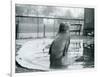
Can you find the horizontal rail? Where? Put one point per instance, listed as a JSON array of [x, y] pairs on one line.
[[49, 18]]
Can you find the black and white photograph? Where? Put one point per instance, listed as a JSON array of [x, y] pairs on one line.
[[53, 38]]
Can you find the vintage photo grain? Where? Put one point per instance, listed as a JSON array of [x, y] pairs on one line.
[[50, 38]]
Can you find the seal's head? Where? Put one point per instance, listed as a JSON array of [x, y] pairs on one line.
[[63, 28]]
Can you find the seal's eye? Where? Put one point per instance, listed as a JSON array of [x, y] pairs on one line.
[[17, 54]]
